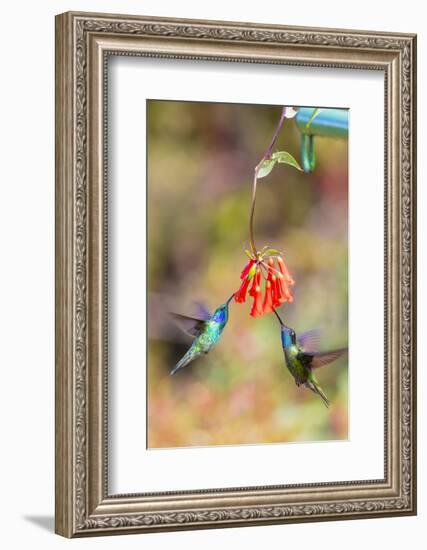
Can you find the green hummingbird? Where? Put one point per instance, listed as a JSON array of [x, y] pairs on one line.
[[301, 360], [206, 331]]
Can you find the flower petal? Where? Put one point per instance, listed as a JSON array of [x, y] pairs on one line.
[[267, 306], [284, 271], [255, 282], [240, 295], [256, 310], [246, 269]]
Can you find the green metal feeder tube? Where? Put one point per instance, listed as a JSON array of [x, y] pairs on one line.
[[326, 123]]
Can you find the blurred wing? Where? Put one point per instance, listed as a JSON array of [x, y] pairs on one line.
[[310, 340], [161, 326], [190, 325], [322, 358], [202, 311]]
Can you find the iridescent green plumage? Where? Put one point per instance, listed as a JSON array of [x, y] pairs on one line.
[[301, 361], [206, 331]]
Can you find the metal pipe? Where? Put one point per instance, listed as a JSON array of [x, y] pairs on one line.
[[326, 123]]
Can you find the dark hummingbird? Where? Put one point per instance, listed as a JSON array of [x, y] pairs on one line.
[[206, 329], [301, 360]]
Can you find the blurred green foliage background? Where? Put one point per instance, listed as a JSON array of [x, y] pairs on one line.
[[201, 158]]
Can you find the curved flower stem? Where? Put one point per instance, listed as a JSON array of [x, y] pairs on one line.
[[264, 271], [266, 156], [251, 219]]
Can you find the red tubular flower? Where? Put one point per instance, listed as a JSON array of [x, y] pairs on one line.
[[246, 269], [276, 288], [267, 306], [257, 309], [278, 297], [270, 268], [284, 289], [256, 283], [282, 280], [240, 295], [284, 271]]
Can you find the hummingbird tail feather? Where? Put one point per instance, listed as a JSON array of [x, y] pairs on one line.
[[188, 357], [317, 389], [324, 398]]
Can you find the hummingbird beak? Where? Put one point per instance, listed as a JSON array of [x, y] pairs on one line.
[[229, 300], [278, 316]]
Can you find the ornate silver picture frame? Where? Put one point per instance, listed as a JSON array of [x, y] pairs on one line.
[[84, 42]]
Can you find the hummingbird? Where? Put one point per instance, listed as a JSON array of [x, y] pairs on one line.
[[301, 360], [206, 329]]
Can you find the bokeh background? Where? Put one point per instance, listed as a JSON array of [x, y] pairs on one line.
[[201, 158]]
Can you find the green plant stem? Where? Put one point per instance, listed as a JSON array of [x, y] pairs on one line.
[[266, 156]]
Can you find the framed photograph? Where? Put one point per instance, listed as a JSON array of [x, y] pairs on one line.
[[235, 274]]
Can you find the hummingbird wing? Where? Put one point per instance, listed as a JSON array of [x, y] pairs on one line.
[[309, 341], [202, 312], [321, 358], [192, 326], [161, 326]]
